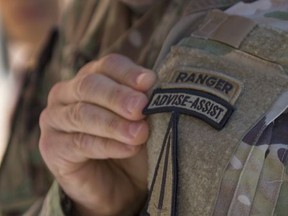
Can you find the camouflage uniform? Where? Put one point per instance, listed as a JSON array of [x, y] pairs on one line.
[[201, 167], [220, 145]]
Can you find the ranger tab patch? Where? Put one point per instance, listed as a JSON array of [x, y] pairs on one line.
[[211, 82], [212, 109]]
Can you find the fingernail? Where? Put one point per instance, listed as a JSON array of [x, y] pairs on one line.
[[134, 103], [146, 77], [135, 129]]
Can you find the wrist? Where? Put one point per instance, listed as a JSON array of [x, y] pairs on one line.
[[108, 209]]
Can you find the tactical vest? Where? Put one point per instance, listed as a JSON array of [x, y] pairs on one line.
[[217, 145]]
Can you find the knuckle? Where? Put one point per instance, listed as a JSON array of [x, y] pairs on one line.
[[87, 85], [105, 144], [87, 68], [125, 67], [113, 124], [76, 114], [54, 92], [44, 146], [109, 59], [126, 73], [82, 86], [81, 141], [42, 119], [115, 95]]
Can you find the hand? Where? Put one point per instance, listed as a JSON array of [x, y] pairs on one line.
[[93, 134]]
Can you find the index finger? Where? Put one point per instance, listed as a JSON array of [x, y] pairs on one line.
[[122, 70]]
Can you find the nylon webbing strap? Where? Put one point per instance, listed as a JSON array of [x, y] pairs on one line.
[[245, 34], [228, 29], [196, 5]]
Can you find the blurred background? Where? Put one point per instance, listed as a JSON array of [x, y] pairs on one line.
[[25, 27]]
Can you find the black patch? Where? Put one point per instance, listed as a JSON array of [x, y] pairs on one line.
[[209, 108]]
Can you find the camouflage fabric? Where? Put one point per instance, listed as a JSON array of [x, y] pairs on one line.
[[23, 175], [96, 28], [240, 169]]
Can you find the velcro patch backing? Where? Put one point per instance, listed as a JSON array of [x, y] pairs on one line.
[[209, 108]]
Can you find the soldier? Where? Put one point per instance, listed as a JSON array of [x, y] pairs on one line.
[[217, 142], [25, 28]]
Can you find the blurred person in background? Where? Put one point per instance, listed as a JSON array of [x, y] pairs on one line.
[[26, 28]]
